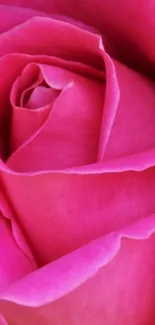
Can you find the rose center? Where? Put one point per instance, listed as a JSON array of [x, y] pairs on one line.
[[31, 91]]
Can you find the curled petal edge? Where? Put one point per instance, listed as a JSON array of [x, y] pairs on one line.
[[64, 275], [17, 234]]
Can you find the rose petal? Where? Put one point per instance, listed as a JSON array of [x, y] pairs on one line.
[[130, 27], [68, 42], [41, 96], [31, 121], [73, 214], [12, 16], [49, 31], [2, 320], [120, 31], [136, 140], [29, 78], [14, 264], [110, 105], [71, 133], [38, 5], [12, 65], [137, 162], [92, 283], [133, 128]]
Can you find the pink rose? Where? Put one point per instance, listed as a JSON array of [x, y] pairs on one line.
[[77, 175]]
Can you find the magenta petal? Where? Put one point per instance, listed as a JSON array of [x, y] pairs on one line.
[[92, 283], [14, 264], [136, 162], [122, 196], [128, 121], [130, 27], [40, 97], [133, 129], [68, 42], [30, 120], [18, 62], [36, 4], [112, 96], [2, 320], [12, 16], [70, 135], [19, 239]]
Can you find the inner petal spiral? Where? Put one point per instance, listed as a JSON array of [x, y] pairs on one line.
[[32, 99], [55, 112]]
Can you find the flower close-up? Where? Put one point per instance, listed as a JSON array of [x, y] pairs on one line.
[[77, 162]]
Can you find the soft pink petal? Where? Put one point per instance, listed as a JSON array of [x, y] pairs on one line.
[[12, 16], [29, 78], [73, 214], [44, 32], [130, 27], [7, 212], [71, 133], [36, 4], [112, 96], [68, 42], [14, 264], [136, 162], [138, 114], [128, 32], [133, 128], [41, 96], [30, 120], [107, 279], [2, 320], [117, 121], [11, 67]]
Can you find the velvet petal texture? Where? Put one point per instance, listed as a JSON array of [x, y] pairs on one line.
[[117, 120], [30, 119], [122, 196], [99, 266], [111, 278], [41, 96], [134, 123], [68, 41], [128, 32], [70, 134], [3, 321], [14, 264], [12, 16], [44, 31], [132, 141]]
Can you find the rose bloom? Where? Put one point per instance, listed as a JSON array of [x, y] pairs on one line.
[[77, 157]]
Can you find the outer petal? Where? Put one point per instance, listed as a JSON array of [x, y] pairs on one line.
[[72, 214], [37, 4], [101, 281], [128, 128], [12, 16], [68, 41], [2, 320], [128, 32], [13, 262]]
